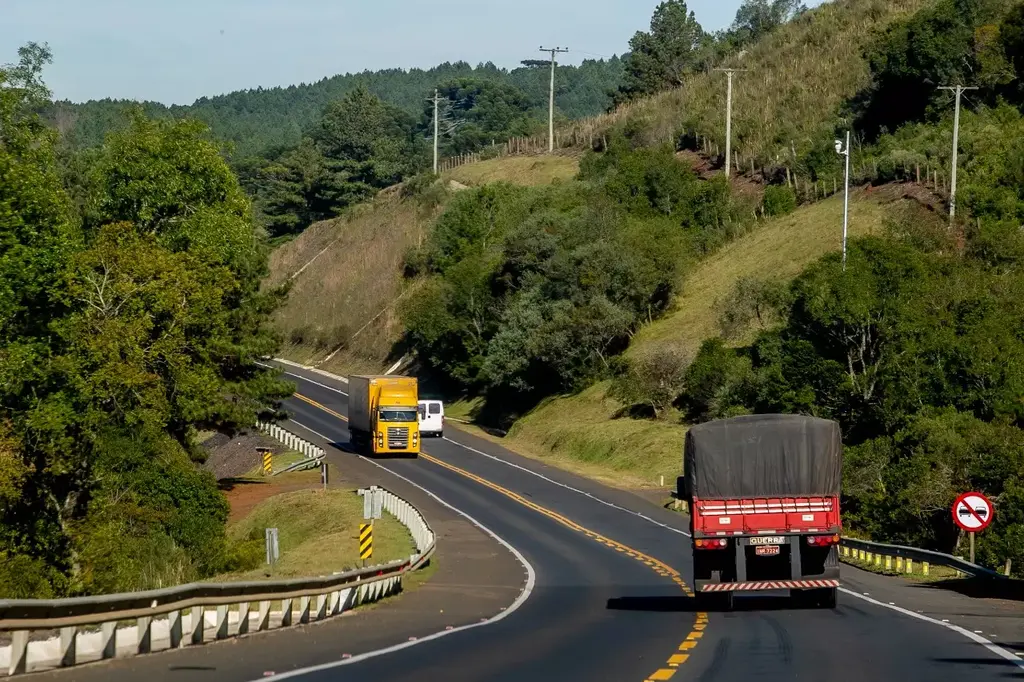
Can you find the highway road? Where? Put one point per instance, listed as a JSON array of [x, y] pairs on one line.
[[610, 600]]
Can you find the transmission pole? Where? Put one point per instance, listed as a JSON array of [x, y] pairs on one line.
[[728, 119], [436, 99], [958, 89], [551, 102]]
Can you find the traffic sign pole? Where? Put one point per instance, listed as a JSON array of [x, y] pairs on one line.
[[972, 546]]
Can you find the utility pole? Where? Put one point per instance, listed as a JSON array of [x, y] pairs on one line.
[[846, 195], [551, 103], [728, 119], [958, 89], [437, 125]]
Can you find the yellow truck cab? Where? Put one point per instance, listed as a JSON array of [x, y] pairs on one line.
[[383, 415]]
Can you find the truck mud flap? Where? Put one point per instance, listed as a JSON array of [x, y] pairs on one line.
[[769, 585]]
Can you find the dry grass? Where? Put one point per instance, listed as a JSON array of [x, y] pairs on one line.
[[355, 276], [348, 272], [318, 533], [799, 77], [519, 170], [777, 250]]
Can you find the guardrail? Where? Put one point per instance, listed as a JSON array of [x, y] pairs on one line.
[[411, 518], [314, 453], [87, 629], [880, 554]]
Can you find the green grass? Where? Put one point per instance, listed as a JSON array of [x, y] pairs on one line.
[[280, 462], [585, 434], [318, 533], [519, 170], [779, 250], [581, 434]]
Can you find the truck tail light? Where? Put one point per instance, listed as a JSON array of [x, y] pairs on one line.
[[711, 543], [822, 540]]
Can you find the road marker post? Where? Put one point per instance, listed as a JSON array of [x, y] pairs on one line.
[[365, 542], [268, 460]]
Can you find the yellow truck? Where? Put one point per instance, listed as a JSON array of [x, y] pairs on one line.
[[383, 415]]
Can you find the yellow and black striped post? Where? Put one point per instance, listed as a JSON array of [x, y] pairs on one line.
[[365, 541], [267, 457]]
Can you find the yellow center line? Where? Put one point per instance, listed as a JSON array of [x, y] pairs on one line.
[[660, 567]]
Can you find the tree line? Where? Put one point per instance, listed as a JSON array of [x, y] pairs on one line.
[[131, 320]]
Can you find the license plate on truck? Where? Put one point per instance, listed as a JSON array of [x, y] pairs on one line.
[[767, 550]]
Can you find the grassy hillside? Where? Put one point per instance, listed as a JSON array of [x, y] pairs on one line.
[[790, 99], [587, 433], [347, 273], [521, 170]]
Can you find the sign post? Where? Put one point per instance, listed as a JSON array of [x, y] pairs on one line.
[[973, 512]]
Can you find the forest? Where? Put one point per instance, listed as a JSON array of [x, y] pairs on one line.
[[131, 320]]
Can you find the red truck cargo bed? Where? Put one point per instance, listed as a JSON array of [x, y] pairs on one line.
[[765, 516]]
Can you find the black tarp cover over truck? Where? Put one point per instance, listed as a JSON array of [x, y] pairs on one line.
[[769, 455]]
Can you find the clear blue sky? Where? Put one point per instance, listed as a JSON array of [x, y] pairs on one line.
[[174, 51]]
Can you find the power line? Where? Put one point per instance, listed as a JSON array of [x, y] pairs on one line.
[[551, 101]]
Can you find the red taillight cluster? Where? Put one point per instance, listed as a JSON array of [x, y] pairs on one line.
[[822, 540], [712, 543]]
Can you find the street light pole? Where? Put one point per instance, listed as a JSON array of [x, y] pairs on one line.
[[846, 191]]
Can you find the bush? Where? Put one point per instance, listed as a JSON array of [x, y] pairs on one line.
[[778, 200], [718, 384], [649, 385], [752, 299]]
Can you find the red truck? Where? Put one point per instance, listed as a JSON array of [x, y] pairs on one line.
[[763, 493]]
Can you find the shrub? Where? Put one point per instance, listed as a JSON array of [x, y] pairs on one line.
[[778, 200]]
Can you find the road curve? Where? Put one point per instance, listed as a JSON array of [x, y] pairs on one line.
[[598, 614]]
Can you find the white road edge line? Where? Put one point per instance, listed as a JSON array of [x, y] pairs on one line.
[[994, 648], [531, 580], [298, 376], [569, 487], [531, 472]]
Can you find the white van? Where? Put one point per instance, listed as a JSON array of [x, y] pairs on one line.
[[432, 418]]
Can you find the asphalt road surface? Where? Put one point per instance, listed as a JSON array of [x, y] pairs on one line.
[[597, 613], [592, 584]]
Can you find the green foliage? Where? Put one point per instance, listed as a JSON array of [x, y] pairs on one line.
[[475, 113], [533, 291], [752, 299], [658, 60], [778, 200], [651, 384], [914, 348], [127, 325], [256, 122], [755, 19], [951, 42]]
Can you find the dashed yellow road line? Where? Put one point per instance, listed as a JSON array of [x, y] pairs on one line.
[[663, 569]]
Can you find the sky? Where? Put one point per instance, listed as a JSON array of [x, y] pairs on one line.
[[175, 51]]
